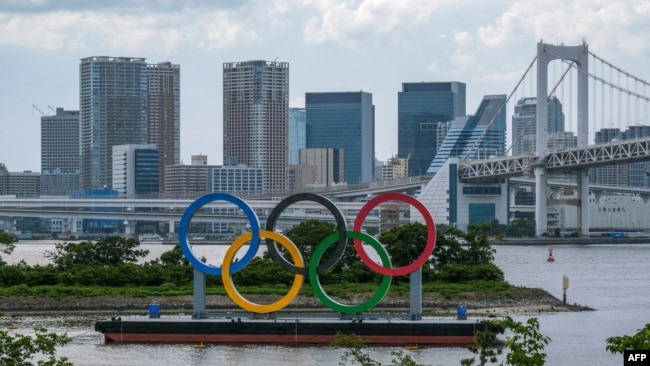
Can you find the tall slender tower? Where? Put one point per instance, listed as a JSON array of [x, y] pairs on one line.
[[164, 115], [255, 118], [112, 111]]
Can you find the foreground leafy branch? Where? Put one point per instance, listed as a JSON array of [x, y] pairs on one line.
[[641, 340], [20, 350], [525, 346], [355, 352]]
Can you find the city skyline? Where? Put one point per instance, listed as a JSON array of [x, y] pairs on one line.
[[331, 46]]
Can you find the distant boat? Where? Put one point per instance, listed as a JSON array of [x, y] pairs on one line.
[[150, 238]]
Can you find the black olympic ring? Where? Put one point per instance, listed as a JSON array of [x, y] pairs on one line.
[[340, 223]]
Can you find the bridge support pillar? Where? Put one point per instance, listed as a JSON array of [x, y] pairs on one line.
[[583, 195], [416, 294], [541, 216], [199, 295], [129, 228]]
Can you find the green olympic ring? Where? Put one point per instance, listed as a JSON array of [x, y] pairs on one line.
[[314, 278]]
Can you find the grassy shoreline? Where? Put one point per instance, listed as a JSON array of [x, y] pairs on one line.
[[515, 300]]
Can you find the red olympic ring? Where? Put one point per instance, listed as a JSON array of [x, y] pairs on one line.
[[428, 248]]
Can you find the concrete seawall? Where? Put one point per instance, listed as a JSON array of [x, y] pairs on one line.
[[571, 241]]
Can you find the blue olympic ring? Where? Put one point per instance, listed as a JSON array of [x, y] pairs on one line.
[[187, 217]]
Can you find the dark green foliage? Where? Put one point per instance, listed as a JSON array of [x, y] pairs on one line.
[[174, 257], [458, 258], [638, 341], [484, 348], [308, 234], [263, 271], [526, 344], [519, 228], [6, 245], [19, 350], [111, 250], [355, 352]]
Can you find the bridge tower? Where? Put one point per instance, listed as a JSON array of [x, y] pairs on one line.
[[545, 54]]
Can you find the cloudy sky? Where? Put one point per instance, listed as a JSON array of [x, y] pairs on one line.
[[331, 45]]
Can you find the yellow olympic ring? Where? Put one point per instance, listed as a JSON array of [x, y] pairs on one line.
[[229, 286]]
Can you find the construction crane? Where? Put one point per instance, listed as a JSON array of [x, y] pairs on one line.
[[52, 109], [39, 111]]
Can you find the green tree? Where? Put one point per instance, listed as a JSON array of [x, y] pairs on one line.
[[484, 348], [174, 256], [308, 234], [525, 346], [454, 246], [404, 244], [640, 340], [6, 245], [521, 228], [111, 250], [355, 352], [19, 350]]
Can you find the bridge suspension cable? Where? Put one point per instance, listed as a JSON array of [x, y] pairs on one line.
[[608, 83], [533, 118], [480, 139], [638, 79]]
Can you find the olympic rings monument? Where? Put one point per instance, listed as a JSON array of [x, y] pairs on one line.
[[265, 323]]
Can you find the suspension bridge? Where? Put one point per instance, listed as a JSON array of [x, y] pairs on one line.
[[618, 100]]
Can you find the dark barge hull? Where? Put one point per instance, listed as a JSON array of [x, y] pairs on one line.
[[298, 331]]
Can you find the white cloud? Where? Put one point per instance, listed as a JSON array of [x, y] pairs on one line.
[[350, 22], [432, 69], [462, 38], [622, 24], [208, 29], [461, 59]]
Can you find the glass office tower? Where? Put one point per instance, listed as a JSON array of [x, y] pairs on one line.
[[344, 120], [421, 110], [475, 137], [112, 111]]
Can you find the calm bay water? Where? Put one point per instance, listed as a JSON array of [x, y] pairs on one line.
[[613, 279]]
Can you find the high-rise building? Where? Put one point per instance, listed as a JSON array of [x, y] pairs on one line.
[[4, 179], [640, 171], [25, 184], [633, 174], [255, 118], [188, 181], [524, 123], [344, 120], [610, 174], [395, 168], [329, 163], [164, 114], [135, 171], [112, 111], [476, 137], [421, 108], [60, 153], [297, 134]]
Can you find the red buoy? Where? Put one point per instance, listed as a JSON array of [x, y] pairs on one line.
[[550, 255]]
